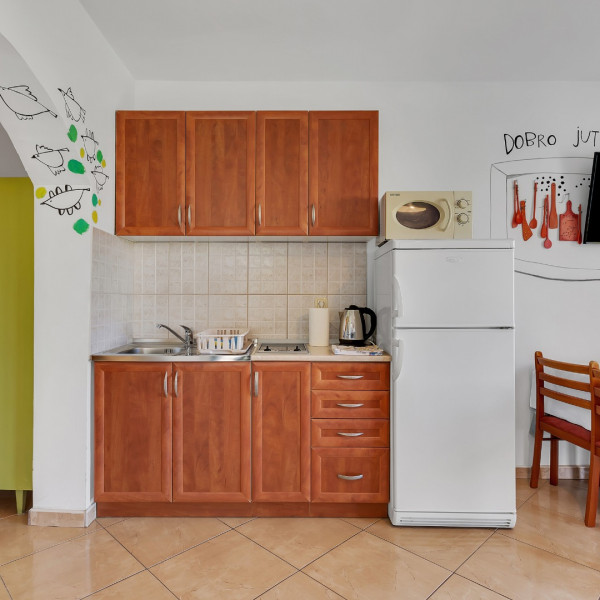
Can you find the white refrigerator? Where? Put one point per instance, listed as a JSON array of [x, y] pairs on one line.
[[445, 313]]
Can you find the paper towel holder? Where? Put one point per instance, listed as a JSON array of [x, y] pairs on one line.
[[321, 302]]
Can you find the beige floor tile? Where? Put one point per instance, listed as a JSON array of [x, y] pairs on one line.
[[448, 547], [559, 533], [3, 592], [154, 539], [523, 572], [71, 570], [229, 566], [143, 586], [26, 539], [458, 588], [366, 567], [568, 497], [108, 521], [361, 522], [298, 541], [235, 521], [300, 587], [524, 492]]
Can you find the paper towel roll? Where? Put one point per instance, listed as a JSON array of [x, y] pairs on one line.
[[318, 326]]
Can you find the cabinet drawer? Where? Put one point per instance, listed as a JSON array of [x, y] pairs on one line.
[[330, 404], [350, 474], [350, 376], [350, 433]]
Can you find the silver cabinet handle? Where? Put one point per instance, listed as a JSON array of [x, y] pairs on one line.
[[313, 214], [165, 384], [256, 383], [350, 376], [259, 214], [349, 405], [350, 477], [179, 215], [346, 434], [190, 215], [175, 386]]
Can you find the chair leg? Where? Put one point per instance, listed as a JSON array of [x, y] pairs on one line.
[[592, 495], [537, 457], [553, 460]]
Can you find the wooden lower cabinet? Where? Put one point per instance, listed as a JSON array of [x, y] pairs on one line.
[[281, 432], [211, 432], [132, 407]]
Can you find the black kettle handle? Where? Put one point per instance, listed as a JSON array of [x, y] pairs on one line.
[[373, 321]]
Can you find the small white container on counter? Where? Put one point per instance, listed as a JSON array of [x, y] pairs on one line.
[[318, 323], [221, 339]]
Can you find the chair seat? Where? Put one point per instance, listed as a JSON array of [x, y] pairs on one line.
[[580, 432]]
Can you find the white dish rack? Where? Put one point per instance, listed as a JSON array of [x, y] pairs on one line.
[[227, 340]]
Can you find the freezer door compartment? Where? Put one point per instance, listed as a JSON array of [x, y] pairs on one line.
[[452, 288], [453, 426]]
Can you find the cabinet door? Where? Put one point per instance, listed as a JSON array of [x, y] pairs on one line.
[[211, 432], [150, 173], [132, 405], [220, 159], [281, 432], [343, 172], [282, 173]]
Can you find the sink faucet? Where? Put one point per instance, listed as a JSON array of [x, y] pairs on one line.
[[188, 340]]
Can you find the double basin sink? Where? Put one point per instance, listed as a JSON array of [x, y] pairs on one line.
[[165, 352]]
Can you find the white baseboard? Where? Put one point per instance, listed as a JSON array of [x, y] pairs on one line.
[[564, 472], [62, 518]]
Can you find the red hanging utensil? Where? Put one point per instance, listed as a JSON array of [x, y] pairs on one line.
[[552, 217], [527, 233], [579, 226], [515, 205], [547, 242], [533, 222], [544, 231], [568, 222], [519, 217]]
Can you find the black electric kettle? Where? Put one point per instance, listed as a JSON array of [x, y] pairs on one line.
[[352, 325]]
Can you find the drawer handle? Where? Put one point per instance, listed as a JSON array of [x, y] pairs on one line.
[[176, 378], [350, 376], [165, 388], [190, 215], [350, 477], [349, 405], [179, 215], [349, 434], [259, 215]]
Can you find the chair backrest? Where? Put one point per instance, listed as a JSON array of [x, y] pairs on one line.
[[595, 384], [564, 379]]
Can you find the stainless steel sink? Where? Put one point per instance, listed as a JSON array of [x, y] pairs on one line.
[[169, 350]]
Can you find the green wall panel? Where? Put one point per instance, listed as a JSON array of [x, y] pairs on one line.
[[16, 327]]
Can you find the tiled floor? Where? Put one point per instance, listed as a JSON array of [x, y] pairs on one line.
[[549, 555]]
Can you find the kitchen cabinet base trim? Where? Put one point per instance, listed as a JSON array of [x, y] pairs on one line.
[[245, 509], [62, 518]]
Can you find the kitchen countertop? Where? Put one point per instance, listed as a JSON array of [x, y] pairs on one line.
[[315, 353]]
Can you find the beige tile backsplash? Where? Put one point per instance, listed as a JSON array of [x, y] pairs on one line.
[[266, 287]]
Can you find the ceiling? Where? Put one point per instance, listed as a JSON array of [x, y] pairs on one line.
[[353, 40]]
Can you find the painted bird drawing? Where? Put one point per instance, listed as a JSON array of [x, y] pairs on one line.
[[53, 159], [100, 176], [22, 102], [90, 145], [65, 201], [73, 109]]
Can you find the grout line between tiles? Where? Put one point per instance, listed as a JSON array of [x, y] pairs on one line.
[[112, 584], [6, 587], [476, 549]]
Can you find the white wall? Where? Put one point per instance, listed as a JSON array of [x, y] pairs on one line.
[[446, 136], [62, 48], [10, 163]]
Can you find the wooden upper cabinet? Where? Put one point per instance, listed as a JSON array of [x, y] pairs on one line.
[[281, 432], [282, 173], [343, 172], [132, 404], [150, 173], [211, 432], [220, 163]]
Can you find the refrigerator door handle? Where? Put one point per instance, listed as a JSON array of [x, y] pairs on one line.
[[397, 357], [396, 299]]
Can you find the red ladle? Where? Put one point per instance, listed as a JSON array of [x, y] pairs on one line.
[[533, 223], [547, 242]]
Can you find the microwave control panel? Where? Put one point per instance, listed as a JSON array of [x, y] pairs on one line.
[[463, 215]]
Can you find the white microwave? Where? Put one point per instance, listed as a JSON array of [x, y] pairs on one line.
[[425, 216]]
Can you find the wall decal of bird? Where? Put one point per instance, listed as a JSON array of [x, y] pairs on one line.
[[22, 102], [50, 157]]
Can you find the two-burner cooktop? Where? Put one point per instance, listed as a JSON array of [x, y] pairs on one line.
[[282, 347]]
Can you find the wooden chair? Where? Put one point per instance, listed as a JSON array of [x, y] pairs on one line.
[[560, 429]]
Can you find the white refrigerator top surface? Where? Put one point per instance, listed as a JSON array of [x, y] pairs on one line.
[[444, 245]]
